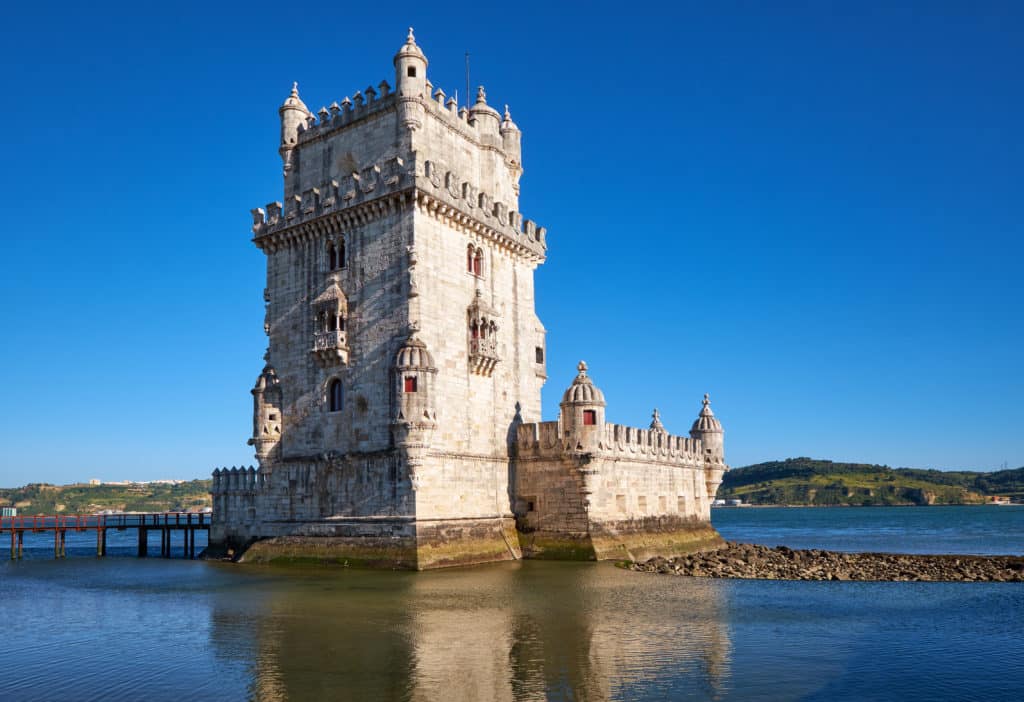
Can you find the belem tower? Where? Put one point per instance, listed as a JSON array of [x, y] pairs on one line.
[[397, 419]]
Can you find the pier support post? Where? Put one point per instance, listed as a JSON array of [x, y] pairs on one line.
[[143, 541], [56, 543], [14, 548], [21, 544]]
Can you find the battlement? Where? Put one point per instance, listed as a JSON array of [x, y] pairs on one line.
[[361, 105], [236, 480], [480, 124], [546, 439], [442, 193]]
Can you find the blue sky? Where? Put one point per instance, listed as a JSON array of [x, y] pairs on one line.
[[812, 211]]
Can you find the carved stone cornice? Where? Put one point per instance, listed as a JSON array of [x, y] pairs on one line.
[[383, 188]]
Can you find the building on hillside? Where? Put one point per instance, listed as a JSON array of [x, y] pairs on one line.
[[397, 418]]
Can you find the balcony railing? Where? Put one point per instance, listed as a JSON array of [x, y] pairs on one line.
[[487, 348], [330, 347], [328, 340]]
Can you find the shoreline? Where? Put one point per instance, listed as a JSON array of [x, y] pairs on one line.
[[755, 562], [909, 504]]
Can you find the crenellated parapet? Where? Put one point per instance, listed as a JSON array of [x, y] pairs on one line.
[[236, 480], [548, 440], [346, 112], [380, 187]]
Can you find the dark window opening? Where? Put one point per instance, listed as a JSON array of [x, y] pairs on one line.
[[589, 417], [529, 506], [272, 417], [341, 254], [332, 258], [411, 72], [410, 384], [477, 262], [469, 260], [540, 354], [334, 395], [474, 330]]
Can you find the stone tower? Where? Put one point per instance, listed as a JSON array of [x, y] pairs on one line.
[[397, 420], [401, 328]]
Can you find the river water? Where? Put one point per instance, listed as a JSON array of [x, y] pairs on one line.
[[121, 628]]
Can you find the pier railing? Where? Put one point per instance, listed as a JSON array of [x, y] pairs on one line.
[[59, 524]]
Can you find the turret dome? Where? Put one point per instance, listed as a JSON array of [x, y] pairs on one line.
[[414, 356], [583, 390], [293, 101], [410, 49], [707, 422]]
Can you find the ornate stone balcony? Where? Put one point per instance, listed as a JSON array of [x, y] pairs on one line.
[[330, 347], [483, 355]]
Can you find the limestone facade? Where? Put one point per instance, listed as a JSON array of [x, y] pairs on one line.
[[396, 419]]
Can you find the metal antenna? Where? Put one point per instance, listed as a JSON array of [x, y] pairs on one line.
[[467, 79]]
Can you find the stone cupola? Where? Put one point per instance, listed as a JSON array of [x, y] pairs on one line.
[[582, 412], [708, 429]]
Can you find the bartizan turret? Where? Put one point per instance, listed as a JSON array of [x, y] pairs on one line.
[[411, 83], [266, 416], [415, 416], [294, 117], [582, 413], [708, 430]]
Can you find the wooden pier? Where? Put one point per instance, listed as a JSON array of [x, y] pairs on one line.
[[165, 522]]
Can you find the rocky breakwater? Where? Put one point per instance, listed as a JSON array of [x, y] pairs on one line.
[[782, 563]]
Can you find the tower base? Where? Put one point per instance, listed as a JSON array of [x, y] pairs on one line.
[[403, 545]]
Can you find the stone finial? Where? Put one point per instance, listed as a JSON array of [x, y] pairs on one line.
[[410, 39], [656, 424], [481, 96], [582, 367], [295, 89], [707, 400]]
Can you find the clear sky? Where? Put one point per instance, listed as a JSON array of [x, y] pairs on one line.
[[812, 211]]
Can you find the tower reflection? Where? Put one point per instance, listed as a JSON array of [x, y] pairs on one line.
[[516, 631]]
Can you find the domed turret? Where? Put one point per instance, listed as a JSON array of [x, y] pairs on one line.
[[582, 411], [266, 414], [294, 114], [511, 138], [410, 69], [708, 429], [414, 384], [487, 119]]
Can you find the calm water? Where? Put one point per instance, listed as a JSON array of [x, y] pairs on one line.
[[121, 628]]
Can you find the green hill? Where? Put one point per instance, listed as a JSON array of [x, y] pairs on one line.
[[806, 481], [41, 498]]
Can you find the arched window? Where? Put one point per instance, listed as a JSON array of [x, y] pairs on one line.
[[341, 254], [334, 396], [469, 259], [332, 257], [474, 330], [483, 329], [477, 262]]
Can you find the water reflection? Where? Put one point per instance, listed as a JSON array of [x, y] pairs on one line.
[[519, 631]]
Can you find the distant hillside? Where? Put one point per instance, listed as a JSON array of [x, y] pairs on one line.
[[806, 481], [40, 498]]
